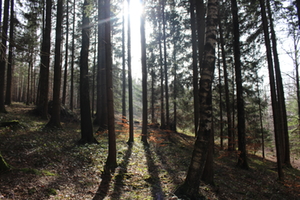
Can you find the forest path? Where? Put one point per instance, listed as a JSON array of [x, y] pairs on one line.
[[51, 166]]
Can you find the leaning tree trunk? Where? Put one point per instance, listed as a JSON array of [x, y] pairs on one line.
[[191, 184]]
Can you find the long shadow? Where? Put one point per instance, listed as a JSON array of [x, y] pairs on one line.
[[104, 185], [119, 184], [154, 179]]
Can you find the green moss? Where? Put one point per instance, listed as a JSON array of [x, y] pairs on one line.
[[51, 191]]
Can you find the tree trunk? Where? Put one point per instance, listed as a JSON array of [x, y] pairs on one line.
[[298, 11], [242, 159], [273, 91], [281, 100], [123, 70], [228, 111], [10, 57], [66, 56], [162, 109], [55, 117], [195, 66], [220, 100], [85, 110], [72, 58], [112, 152], [144, 76], [166, 68], [3, 57], [190, 187], [131, 133]]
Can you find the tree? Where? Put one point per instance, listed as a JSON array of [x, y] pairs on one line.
[[275, 108], [131, 136], [144, 76], [242, 159], [190, 187], [10, 57], [72, 57], [64, 93], [85, 110], [55, 116], [3, 57], [112, 152], [45, 61], [123, 70]]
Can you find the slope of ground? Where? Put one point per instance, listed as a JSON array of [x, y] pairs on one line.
[[51, 166]]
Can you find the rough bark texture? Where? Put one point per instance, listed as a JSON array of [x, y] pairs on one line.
[[3, 57], [112, 152], [144, 77], [190, 187], [85, 110]]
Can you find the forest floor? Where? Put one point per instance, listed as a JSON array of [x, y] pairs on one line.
[[52, 166]]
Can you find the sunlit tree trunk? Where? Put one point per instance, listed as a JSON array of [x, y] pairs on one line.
[[191, 184], [123, 71], [162, 97]]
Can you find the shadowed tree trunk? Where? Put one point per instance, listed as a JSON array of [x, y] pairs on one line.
[[72, 58], [190, 187], [10, 57], [112, 152], [85, 110], [144, 75], [66, 56], [3, 57], [275, 108], [242, 159], [131, 133], [123, 70], [162, 106], [55, 116]]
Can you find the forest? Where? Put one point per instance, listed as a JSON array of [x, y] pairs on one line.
[[145, 99]]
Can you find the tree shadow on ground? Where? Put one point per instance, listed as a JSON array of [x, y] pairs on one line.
[[104, 185], [153, 180], [119, 178]]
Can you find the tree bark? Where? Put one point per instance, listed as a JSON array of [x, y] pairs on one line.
[[242, 159], [85, 110], [3, 57], [191, 184], [123, 70], [112, 152], [144, 76], [10, 57], [72, 58], [131, 133], [66, 56], [55, 117]]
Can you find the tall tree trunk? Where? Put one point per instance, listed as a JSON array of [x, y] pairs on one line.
[[3, 57], [66, 56], [298, 11], [260, 118], [191, 184], [55, 117], [166, 68], [94, 72], [228, 111], [101, 117], [200, 13], [72, 58], [220, 99], [272, 90], [123, 71], [162, 109], [281, 100], [131, 133], [112, 152], [144, 75], [10, 57], [242, 159], [195, 66], [85, 109]]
